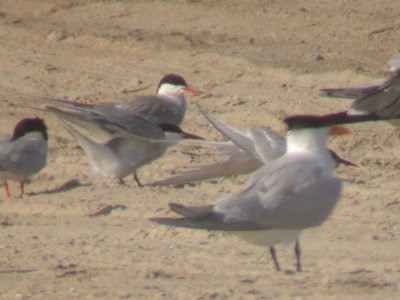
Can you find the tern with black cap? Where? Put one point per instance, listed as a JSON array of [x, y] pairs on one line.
[[375, 102], [167, 106], [124, 151], [25, 153], [292, 193], [245, 154]]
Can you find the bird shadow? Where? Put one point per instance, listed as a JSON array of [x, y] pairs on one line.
[[106, 210], [18, 271], [65, 187]]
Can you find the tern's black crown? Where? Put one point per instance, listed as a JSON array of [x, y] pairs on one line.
[[30, 125], [306, 121], [172, 79]]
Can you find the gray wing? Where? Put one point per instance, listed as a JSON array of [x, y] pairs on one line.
[[155, 109], [350, 93], [284, 194], [237, 163], [363, 91], [281, 195], [65, 104], [269, 144], [236, 136], [94, 122], [26, 156], [384, 101]]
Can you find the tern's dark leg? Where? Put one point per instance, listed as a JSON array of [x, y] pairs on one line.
[[21, 185], [297, 252], [121, 181], [273, 254], [137, 179]]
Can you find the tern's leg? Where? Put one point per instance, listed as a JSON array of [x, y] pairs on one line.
[[297, 252], [21, 185], [273, 254], [6, 189], [137, 179], [121, 181]]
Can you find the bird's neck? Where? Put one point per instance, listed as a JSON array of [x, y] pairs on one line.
[[173, 94], [310, 142], [33, 135]]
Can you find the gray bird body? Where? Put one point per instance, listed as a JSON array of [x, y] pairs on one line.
[[155, 109], [381, 100], [123, 152], [168, 106], [23, 157], [291, 193]]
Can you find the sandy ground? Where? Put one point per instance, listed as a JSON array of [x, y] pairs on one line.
[[260, 61]]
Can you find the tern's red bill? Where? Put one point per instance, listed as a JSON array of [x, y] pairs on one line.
[[190, 89], [339, 130]]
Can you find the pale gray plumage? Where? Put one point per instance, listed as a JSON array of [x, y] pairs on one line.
[[25, 153], [381, 100], [285, 194], [283, 197], [168, 106], [249, 151], [21, 158], [123, 152]]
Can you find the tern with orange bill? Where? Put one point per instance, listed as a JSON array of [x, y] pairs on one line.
[[246, 153], [292, 193], [168, 106]]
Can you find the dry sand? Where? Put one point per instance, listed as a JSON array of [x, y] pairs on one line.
[[259, 60]]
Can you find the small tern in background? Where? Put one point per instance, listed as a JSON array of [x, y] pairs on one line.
[[168, 106], [380, 101], [282, 198], [124, 151], [25, 153]]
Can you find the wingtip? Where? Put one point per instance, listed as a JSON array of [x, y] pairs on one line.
[[168, 221], [175, 206]]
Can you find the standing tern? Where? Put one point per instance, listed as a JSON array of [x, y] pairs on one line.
[[124, 152], [285, 196], [380, 101], [168, 106], [249, 151], [25, 153]]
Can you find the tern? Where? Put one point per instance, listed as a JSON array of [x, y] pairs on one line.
[[282, 198], [124, 151], [168, 106], [246, 153], [25, 153], [379, 101]]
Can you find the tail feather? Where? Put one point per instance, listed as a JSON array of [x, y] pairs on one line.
[[194, 212], [196, 173], [213, 222], [66, 103], [225, 168], [180, 222], [349, 93], [88, 146]]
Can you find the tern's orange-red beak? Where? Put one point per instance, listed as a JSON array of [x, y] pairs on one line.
[[338, 130], [189, 89]]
